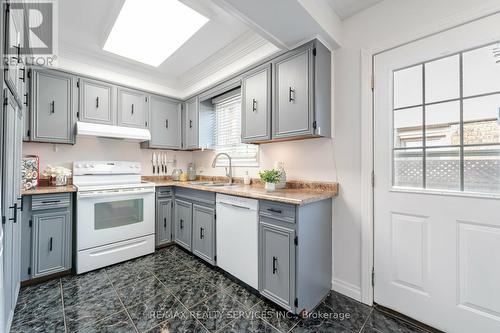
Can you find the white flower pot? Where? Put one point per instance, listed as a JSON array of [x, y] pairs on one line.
[[270, 187]]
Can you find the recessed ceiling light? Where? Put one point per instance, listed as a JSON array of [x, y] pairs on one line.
[[149, 31]]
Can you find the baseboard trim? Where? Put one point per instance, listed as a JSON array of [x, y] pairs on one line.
[[347, 289]]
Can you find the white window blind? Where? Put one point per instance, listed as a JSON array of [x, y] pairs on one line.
[[228, 132]]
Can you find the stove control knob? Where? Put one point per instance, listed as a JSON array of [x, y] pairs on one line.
[[87, 165]]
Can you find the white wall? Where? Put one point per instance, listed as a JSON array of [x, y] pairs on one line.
[[88, 149], [387, 24]]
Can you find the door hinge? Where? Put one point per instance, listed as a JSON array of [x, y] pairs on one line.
[[296, 302], [373, 276], [373, 179], [315, 124], [31, 223], [296, 240], [29, 270], [314, 52]]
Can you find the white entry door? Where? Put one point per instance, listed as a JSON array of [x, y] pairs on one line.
[[437, 178]]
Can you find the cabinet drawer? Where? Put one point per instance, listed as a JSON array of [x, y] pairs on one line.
[[50, 201], [280, 211], [163, 192]]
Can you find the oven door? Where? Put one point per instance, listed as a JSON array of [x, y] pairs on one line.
[[105, 217]]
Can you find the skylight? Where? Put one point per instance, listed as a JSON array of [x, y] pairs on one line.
[[149, 31]]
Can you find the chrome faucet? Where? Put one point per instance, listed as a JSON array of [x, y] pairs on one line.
[[229, 173]]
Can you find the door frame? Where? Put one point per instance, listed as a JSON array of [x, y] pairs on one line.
[[367, 57]]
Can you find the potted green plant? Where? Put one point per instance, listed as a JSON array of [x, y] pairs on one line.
[[270, 178]]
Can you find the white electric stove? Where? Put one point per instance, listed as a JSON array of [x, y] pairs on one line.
[[114, 215]]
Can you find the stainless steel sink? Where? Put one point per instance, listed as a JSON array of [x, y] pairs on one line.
[[213, 184]]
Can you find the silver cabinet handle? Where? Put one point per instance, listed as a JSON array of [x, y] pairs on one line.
[[290, 92], [254, 105]]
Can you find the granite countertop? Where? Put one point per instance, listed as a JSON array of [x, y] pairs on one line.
[[296, 196], [49, 189]]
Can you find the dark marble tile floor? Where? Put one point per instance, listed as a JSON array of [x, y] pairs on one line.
[[172, 291]]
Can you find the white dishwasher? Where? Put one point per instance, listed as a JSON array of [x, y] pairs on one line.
[[238, 237]]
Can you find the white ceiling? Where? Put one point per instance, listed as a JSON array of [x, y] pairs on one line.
[[84, 25], [347, 8]]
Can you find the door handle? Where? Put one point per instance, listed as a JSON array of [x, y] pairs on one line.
[[23, 78], [26, 99], [132, 109], [190, 124], [202, 234], [50, 244], [182, 224], [53, 107], [164, 222], [254, 105], [97, 102], [166, 123], [51, 201], [275, 261], [14, 219], [290, 91]]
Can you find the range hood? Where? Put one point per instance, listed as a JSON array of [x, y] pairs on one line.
[[113, 132]]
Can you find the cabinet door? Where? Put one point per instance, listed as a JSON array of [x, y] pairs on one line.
[[163, 221], [132, 109], [97, 102], [12, 48], [191, 126], [183, 223], [293, 108], [204, 232], [256, 105], [277, 260], [52, 239], [52, 107], [165, 123]]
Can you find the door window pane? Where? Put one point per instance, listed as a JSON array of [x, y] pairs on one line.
[[482, 119], [442, 79], [442, 124], [481, 71], [408, 168], [442, 168], [408, 87], [482, 169], [408, 125], [118, 213]]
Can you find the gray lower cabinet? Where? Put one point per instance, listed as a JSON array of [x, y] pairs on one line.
[[295, 253], [163, 221], [51, 242], [183, 223], [97, 102], [132, 108], [278, 264], [256, 105], [52, 106], [164, 123], [204, 232], [46, 234]]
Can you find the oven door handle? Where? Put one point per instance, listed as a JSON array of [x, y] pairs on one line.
[[114, 193]]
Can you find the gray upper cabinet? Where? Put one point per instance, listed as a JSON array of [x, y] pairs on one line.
[[302, 93], [132, 108], [191, 124], [52, 242], [165, 123], [52, 106], [256, 105], [163, 221], [97, 102], [293, 113], [278, 264], [204, 232], [183, 223]]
